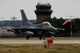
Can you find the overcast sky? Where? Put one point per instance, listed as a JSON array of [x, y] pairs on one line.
[[61, 8]]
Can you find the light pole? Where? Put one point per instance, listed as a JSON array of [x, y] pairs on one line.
[[13, 20], [71, 24], [2, 22], [71, 29], [71, 17]]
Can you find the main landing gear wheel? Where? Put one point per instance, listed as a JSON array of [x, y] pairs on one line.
[[40, 38], [27, 37], [44, 37]]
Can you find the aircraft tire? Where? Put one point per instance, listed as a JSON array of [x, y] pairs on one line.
[[44, 38], [40, 38], [27, 37]]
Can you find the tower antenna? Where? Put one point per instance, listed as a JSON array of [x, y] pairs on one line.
[[43, 1]]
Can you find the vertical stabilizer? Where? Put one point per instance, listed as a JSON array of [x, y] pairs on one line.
[[24, 18]]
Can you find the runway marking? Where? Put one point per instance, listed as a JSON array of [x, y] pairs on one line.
[[38, 41]]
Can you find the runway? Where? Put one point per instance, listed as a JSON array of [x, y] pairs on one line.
[[38, 41]]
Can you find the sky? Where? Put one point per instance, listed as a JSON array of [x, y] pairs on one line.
[[61, 8]]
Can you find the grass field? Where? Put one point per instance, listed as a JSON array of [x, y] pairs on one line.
[[29, 48]]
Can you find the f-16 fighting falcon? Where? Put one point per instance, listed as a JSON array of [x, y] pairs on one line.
[[28, 29]]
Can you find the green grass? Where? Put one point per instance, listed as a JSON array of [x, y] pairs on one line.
[[29, 48]]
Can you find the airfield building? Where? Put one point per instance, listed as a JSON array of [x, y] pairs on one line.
[[43, 11]]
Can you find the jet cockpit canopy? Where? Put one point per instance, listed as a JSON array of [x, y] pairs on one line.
[[46, 23]]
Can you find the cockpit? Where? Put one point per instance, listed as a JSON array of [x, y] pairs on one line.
[[46, 23]]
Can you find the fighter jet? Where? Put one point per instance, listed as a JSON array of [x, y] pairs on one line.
[[28, 29]]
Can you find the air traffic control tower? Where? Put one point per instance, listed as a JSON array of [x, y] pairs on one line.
[[43, 11]]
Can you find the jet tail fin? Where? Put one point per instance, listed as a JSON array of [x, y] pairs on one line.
[[24, 18]]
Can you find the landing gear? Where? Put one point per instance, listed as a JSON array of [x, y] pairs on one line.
[[44, 37], [39, 33], [40, 38], [27, 37]]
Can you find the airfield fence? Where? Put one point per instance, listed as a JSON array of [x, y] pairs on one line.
[[7, 36]]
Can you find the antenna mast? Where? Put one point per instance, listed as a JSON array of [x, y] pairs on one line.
[[43, 1]]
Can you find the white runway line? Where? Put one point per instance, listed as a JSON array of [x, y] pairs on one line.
[[67, 42], [38, 41]]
